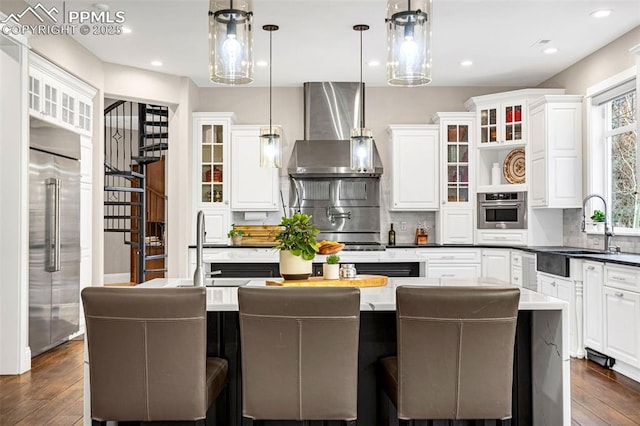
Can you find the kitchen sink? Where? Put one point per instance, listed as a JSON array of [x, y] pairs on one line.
[[578, 251]]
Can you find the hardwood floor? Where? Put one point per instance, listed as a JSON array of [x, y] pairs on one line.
[[51, 393]]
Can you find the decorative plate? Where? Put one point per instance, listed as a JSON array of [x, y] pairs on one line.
[[513, 167]]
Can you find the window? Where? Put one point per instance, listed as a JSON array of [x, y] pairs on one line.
[[614, 161]]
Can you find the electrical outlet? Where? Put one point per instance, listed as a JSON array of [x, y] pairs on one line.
[[403, 226]]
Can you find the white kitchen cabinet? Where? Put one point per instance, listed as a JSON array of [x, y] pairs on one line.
[[211, 186], [501, 127], [451, 262], [441, 271], [556, 152], [252, 187], [59, 98], [621, 312], [496, 263], [415, 169], [455, 219], [592, 275], [622, 325], [216, 226], [455, 226], [502, 236], [516, 267]]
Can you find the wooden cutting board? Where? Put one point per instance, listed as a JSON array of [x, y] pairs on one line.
[[359, 281], [259, 234]]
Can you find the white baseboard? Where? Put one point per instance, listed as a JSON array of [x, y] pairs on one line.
[[123, 277]]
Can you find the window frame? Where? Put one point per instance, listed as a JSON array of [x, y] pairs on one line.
[[599, 178]]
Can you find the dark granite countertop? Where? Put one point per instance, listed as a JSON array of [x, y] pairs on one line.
[[629, 259]]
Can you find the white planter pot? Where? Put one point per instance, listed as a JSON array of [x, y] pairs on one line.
[[294, 267], [330, 272], [237, 240]]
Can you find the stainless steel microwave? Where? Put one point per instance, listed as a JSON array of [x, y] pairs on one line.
[[502, 210]]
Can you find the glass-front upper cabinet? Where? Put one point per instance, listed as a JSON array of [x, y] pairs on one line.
[[457, 163], [513, 122], [211, 156], [501, 123], [212, 166], [488, 125], [457, 157]]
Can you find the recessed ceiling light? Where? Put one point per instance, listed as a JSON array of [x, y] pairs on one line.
[[601, 13], [126, 30], [550, 50], [466, 63], [262, 64], [373, 63], [156, 63]]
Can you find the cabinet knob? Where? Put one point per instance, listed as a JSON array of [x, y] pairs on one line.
[[553, 283], [591, 268], [618, 294]]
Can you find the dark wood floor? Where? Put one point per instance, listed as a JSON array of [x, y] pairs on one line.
[[51, 393]]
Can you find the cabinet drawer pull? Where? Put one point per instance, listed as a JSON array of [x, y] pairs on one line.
[[446, 257], [553, 283], [618, 294], [618, 278], [448, 275], [591, 268]]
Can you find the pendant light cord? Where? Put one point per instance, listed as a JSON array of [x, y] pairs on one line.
[[270, 75], [361, 28], [361, 88]]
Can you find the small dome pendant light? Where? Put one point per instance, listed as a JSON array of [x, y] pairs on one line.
[[361, 144], [270, 149]]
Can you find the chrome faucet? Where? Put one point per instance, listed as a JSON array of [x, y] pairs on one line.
[[608, 232], [198, 275]]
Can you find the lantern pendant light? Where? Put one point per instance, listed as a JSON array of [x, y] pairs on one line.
[[230, 42], [409, 42], [361, 144], [270, 150]]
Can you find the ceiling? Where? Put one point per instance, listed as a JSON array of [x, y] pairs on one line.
[[316, 41]]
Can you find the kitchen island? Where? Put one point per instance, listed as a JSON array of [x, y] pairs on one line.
[[541, 367]]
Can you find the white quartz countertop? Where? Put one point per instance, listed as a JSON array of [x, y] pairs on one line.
[[220, 298]]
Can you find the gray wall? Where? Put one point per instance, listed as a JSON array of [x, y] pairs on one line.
[[600, 65]]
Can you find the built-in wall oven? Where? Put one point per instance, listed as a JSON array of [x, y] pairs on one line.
[[502, 210]]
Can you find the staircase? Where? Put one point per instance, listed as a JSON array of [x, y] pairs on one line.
[[136, 141]]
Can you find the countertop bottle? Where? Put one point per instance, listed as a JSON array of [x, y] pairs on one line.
[[392, 236]]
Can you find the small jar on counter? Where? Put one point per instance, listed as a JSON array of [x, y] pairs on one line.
[[348, 270]]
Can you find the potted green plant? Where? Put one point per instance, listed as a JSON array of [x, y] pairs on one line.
[[598, 217], [236, 236], [297, 244], [330, 269]]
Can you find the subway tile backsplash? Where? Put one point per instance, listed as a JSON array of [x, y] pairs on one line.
[[573, 236]]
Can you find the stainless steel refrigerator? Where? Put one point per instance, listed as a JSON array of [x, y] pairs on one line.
[[54, 236]]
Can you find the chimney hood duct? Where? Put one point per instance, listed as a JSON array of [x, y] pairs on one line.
[[331, 110]]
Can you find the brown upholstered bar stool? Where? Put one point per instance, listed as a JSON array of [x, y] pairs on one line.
[[455, 353], [147, 354], [299, 353]]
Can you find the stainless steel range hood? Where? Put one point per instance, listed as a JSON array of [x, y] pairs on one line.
[[331, 110]]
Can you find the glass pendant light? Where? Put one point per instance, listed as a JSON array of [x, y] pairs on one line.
[[361, 143], [409, 42], [230, 42], [270, 151]]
